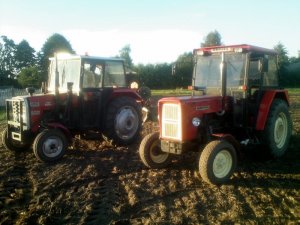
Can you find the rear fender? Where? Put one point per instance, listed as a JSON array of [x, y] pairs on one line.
[[126, 93], [265, 106]]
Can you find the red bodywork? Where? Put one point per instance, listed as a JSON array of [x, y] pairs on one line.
[[266, 104], [231, 48], [42, 103], [192, 106]]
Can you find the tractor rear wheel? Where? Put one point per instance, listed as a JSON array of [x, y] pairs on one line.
[[217, 162], [50, 145], [278, 129], [123, 120], [151, 154], [11, 144]]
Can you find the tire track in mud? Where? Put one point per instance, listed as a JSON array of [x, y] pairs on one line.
[[15, 187], [107, 204]]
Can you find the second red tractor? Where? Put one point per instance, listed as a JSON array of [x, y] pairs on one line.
[[236, 102]]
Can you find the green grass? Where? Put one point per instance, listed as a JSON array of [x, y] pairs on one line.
[[178, 92], [2, 114], [294, 91], [170, 92]]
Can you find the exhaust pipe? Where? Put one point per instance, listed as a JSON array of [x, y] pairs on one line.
[[56, 76], [223, 68]]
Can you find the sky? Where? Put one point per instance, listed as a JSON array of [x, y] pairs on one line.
[[157, 30]]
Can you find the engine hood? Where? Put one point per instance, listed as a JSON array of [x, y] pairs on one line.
[[205, 104]]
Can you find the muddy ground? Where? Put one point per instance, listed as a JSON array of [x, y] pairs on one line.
[[97, 183]]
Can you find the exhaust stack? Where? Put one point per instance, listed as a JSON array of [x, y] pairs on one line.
[[56, 76], [223, 68]]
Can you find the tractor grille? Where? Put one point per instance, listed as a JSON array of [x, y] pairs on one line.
[[16, 113], [171, 121]]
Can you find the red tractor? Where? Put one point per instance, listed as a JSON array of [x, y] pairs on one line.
[[85, 94], [236, 102]]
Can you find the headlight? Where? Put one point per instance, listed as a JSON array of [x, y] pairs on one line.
[[196, 121]]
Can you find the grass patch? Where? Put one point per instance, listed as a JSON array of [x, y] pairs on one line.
[[294, 91], [171, 92], [178, 92], [2, 114]]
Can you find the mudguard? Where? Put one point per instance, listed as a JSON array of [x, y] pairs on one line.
[[265, 106]]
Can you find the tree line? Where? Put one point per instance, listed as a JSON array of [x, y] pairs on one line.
[[21, 66]]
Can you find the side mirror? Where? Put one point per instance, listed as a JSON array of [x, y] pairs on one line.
[[30, 90], [263, 65]]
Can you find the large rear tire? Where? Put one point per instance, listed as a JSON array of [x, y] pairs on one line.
[[50, 145], [217, 162], [151, 154], [123, 120], [278, 129], [12, 145]]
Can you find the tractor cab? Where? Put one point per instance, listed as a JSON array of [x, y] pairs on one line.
[[93, 82], [243, 73]]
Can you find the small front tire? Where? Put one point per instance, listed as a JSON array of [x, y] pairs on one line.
[[151, 154], [217, 162], [50, 145]]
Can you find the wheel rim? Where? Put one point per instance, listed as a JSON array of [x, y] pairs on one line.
[[53, 146], [280, 130], [222, 164], [126, 122], [156, 154]]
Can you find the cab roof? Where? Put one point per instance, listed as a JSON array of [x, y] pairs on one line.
[[86, 57], [235, 48]]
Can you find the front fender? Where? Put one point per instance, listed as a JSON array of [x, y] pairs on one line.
[[62, 128]]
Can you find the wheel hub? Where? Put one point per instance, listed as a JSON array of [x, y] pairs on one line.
[[222, 164], [280, 131], [156, 154], [52, 147], [126, 123]]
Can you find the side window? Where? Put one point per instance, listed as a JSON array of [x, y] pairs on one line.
[[271, 77], [92, 76], [114, 75], [253, 73]]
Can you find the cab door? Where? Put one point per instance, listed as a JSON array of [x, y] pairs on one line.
[[91, 95]]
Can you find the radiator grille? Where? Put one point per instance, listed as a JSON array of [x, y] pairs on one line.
[[171, 121]]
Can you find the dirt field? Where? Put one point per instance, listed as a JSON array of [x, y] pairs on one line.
[[97, 183]]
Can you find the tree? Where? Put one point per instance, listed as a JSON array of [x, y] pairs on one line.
[[7, 61], [283, 62], [212, 39], [24, 55], [283, 58], [30, 77], [155, 76], [55, 43], [183, 70], [125, 54]]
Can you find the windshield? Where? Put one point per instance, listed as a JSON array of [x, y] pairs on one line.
[[69, 71], [208, 72]]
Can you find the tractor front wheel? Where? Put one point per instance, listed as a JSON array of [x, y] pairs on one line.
[[151, 154], [12, 145], [50, 145], [278, 129], [217, 162]]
